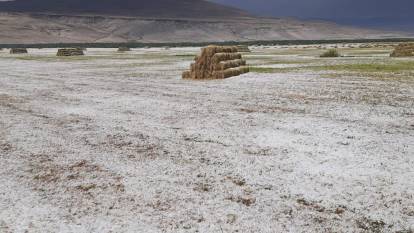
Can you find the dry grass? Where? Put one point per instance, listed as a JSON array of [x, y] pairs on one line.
[[403, 50]]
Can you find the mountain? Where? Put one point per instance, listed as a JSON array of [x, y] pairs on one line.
[[88, 21], [139, 8]]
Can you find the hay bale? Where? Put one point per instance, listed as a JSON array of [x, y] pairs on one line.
[[243, 49], [123, 49], [224, 65], [187, 74], [219, 57], [18, 50], [67, 52], [403, 50], [217, 62], [230, 72]]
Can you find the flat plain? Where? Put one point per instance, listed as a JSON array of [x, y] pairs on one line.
[[118, 142]]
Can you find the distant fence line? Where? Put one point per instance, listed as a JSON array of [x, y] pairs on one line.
[[201, 44]]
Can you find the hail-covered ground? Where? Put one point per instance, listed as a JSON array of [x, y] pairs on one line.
[[118, 142]]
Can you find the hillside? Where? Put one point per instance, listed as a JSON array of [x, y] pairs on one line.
[[66, 21], [142, 8]]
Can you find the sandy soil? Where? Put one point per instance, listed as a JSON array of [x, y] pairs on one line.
[[119, 143]]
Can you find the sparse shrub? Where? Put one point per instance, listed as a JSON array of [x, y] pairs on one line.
[[124, 49], [331, 53], [403, 50]]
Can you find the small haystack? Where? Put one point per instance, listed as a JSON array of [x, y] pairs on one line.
[[243, 49], [403, 50], [70, 52], [18, 50], [123, 49], [217, 62]]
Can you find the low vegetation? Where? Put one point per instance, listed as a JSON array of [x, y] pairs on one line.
[[403, 50], [331, 53], [191, 44], [386, 67]]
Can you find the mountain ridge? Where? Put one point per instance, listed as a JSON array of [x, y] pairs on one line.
[[133, 8], [159, 21]]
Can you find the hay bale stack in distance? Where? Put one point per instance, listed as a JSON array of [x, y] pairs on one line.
[[70, 52], [403, 50], [123, 49], [18, 50], [243, 49], [217, 62]]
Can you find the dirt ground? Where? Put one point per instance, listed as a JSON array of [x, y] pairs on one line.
[[118, 142]]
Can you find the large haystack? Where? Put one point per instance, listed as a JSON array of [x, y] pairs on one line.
[[70, 52], [123, 49], [18, 50], [243, 49], [403, 50], [217, 62]]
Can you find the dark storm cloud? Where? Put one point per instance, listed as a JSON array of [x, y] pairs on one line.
[[383, 14], [327, 8]]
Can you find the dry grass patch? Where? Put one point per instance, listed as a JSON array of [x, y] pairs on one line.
[[403, 50]]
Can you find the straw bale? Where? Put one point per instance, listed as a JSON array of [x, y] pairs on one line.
[[123, 49], [18, 50], [217, 62], [67, 52]]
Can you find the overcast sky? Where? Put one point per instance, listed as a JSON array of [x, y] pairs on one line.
[[327, 8]]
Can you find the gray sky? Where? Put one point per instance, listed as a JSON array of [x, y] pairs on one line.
[[327, 8]]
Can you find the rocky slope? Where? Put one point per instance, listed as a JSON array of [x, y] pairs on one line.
[[50, 21], [153, 8], [53, 28]]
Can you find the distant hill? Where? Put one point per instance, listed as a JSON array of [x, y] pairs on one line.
[[88, 21], [142, 8]]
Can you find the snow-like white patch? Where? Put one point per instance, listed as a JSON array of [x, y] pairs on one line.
[[119, 142]]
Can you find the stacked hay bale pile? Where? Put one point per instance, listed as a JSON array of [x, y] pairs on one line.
[[18, 50], [123, 49], [403, 50], [243, 49], [217, 62], [82, 48], [70, 52]]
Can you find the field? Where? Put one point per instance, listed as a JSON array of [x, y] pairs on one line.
[[118, 142]]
